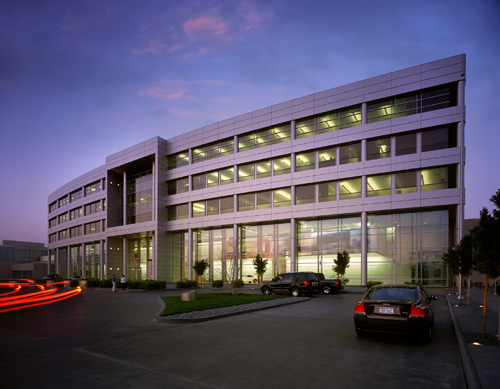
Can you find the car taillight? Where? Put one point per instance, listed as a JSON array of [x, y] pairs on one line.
[[359, 309], [319, 282], [307, 283], [416, 312], [336, 282]]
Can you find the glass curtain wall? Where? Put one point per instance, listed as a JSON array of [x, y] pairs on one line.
[[139, 254], [271, 242], [140, 198], [177, 256], [319, 241], [216, 245], [92, 260], [75, 261], [63, 263], [407, 247]]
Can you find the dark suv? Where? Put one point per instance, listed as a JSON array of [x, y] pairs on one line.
[[295, 283]]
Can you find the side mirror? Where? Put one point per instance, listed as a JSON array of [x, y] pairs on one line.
[[433, 298], [274, 279]]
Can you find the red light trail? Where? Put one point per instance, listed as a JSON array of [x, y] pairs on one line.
[[31, 299]]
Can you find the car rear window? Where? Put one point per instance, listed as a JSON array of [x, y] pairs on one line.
[[311, 277], [405, 294]]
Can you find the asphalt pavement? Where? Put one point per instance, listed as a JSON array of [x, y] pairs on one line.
[[101, 339]]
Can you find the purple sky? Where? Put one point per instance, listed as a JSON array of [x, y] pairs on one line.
[[80, 80]]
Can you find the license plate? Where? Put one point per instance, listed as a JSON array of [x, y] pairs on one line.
[[314, 284], [386, 310]]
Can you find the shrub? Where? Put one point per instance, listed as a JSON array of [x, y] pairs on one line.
[[133, 284], [106, 284], [187, 284], [371, 283], [217, 283], [239, 283], [413, 283], [94, 283], [152, 284]]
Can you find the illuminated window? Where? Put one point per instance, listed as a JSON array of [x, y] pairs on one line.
[[265, 137], [264, 200], [304, 161], [379, 185], [350, 153], [378, 148], [246, 202], [177, 160], [327, 191], [199, 208], [227, 176], [282, 165], [245, 172], [326, 157], [438, 178], [332, 121], [350, 189], [263, 169], [282, 197]]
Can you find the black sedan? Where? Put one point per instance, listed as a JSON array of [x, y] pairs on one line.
[[396, 308]]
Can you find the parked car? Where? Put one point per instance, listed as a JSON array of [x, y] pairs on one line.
[[330, 286], [249, 279], [396, 308], [78, 278], [295, 283], [51, 277]]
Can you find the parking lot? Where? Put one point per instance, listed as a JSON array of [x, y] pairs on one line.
[[101, 339]]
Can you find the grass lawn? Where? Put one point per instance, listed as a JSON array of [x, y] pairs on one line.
[[174, 305]]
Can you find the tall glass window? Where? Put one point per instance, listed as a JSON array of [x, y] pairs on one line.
[[92, 260], [305, 161], [75, 261], [378, 148], [350, 153], [140, 197], [265, 137], [379, 185]]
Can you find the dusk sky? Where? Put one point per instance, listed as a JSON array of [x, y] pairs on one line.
[[80, 80]]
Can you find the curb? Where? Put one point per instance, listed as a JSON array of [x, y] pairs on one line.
[[162, 319], [469, 373]]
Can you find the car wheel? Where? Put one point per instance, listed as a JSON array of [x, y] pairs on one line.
[[254, 280], [266, 290], [360, 332], [327, 290], [295, 291], [427, 335]]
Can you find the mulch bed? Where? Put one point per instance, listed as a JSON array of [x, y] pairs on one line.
[[489, 340]]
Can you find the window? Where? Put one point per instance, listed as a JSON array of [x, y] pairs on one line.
[[92, 208], [379, 185], [63, 218], [53, 207], [439, 138], [350, 153], [332, 121], [181, 185], [305, 161], [282, 197], [412, 103], [172, 212], [63, 234], [212, 179], [282, 166], [378, 148], [438, 178], [227, 204], [53, 238], [350, 189], [264, 200], [182, 211], [75, 213], [52, 222], [327, 157], [227, 175], [246, 202], [304, 194], [406, 144], [265, 137], [212, 207], [92, 228], [213, 150], [327, 191], [177, 160], [63, 201], [263, 169], [199, 181], [92, 188], [406, 182], [199, 208], [245, 172], [76, 195], [75, 231]]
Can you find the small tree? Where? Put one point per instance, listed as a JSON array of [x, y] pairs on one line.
[[341, 264], [450, 258], [260, 266], [199, 267]]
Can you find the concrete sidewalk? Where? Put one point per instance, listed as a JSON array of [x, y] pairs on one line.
[[483, 359]]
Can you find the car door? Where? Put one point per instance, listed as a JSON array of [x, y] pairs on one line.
[[275, 283], [286, 283]]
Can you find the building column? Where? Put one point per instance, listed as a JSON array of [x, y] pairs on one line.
[[364, 112], [363, 150], [83, 259], [190, 253], [363, 187], [153, 193], [461, 169], [102, 268], [364, 249], [292, 195], [190, 154], [235, 177], [235, 146], [154, 265], [419, 142], [56, 261], [48, 262], [124, 256], [124, 198], [292, 130], [292, 163], [293, 245], [68, 262]]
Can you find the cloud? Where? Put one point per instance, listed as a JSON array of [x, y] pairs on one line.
[[203, 25], [166, 90], [154, 47]]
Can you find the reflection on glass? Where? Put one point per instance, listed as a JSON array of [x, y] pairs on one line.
[[350, 153], [246, 202], [304, 194], [264, 200], [327, 191], [406, 182]]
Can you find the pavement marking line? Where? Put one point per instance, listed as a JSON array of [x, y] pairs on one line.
[[98, 355], [469, 373]]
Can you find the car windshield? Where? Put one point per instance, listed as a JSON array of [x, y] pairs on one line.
[[405, 294]]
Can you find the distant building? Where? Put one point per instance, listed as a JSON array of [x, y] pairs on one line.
[[375, 168], [23, 259]]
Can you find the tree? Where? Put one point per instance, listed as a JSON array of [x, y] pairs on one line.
[[451, 259], [260, 266], [199, 267], [459, 260], [341, 264], [487, 247]]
